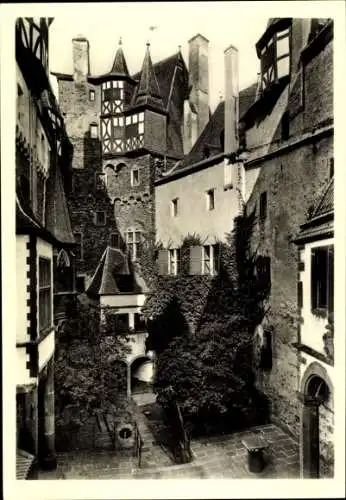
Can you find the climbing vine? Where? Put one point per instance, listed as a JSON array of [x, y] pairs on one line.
[[201, 329]]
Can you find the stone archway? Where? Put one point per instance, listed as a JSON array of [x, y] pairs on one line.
[[316, 393], [141, 370]]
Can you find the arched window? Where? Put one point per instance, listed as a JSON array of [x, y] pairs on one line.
[[63, 259]]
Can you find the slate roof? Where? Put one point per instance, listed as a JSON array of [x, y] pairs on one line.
[[113, 276], [167, 71], [210, 136], [148, 91], [57, 228], [119, 65], [57, 214], [24, 461]]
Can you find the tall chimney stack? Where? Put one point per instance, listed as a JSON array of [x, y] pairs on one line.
[[81, 65], [231, 100], [197, 112]]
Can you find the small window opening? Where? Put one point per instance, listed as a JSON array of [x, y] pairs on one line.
[[263, 206], [175, 207], [210, 199], [93, 131]]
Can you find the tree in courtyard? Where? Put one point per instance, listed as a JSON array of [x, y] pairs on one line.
[[88, 375]]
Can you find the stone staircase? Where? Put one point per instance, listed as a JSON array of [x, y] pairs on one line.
[[152, 452]]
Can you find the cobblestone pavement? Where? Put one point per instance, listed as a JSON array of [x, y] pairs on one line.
[[214, 457]]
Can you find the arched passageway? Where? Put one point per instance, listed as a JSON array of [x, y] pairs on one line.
[[315, 430], [142, 372]]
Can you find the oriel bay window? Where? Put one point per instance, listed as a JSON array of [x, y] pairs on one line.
[[134, 243], [44, 293], [322, 279], [112, 96]]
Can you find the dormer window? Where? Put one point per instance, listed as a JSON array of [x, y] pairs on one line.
[[275, 58]]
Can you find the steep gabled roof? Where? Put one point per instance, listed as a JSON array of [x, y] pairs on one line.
[[113, 276]]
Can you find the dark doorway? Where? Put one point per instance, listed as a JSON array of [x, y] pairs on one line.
[[141, 375], [317, 393]]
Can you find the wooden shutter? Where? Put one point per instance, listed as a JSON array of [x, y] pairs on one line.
[[196, 260], [163, 262], [178, 261], [330, 278], [313, 280], [217, 258], [300, 294]]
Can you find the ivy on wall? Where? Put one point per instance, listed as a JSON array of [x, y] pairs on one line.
[[201, 328]]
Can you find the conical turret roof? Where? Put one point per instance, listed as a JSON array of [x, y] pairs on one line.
[[119, 65], [148, 91]]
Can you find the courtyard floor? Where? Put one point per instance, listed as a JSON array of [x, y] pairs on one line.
[[214, 457]]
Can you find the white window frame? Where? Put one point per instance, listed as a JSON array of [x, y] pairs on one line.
[[45, 295], [94, 127], [208, 261], [132, 241], [174, 207], [173, 261], [133, 183], [92, 95]]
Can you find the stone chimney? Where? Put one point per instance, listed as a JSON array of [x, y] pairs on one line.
[[197, 108], [231, 100], [81, 65]]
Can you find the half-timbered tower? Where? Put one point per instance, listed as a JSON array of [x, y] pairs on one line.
[[125, 131]]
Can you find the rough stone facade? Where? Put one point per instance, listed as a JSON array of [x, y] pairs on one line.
[[121, 186], [292, 179]]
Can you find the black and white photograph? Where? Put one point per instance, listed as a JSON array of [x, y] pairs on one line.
[[173, 178]]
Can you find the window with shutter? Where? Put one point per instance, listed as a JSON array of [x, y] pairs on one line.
[[322, 279], [196, 260], [331, 279], [45, 293], [163, 262], [300, 294], [173, 261]]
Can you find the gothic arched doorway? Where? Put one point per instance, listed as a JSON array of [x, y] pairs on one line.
[[141, 375], [317, 402]]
